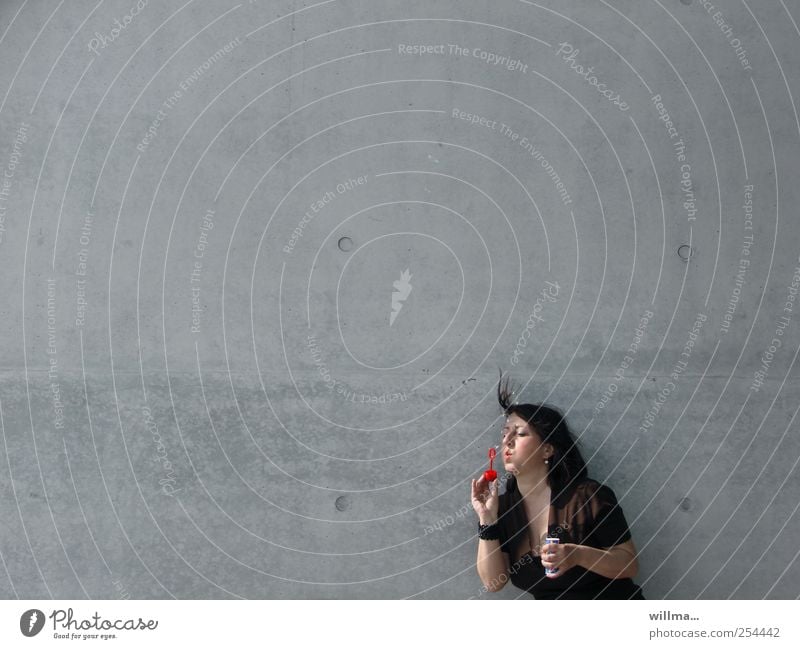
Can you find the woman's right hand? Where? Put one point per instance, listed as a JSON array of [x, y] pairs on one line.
[[485, 500]]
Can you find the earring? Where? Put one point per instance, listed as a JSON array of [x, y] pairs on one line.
[[547, 461]]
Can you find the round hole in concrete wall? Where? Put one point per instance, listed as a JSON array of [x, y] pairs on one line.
[[686, 504], [684, 252], [345, 244], [342, 503]]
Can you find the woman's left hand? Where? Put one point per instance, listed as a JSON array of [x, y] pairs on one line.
[[560, 555]]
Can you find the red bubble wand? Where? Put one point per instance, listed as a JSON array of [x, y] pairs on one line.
[[491, 474]]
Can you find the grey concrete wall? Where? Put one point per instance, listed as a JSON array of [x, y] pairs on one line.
[[216, 381]]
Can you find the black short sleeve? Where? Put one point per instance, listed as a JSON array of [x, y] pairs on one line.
[[609, 526]]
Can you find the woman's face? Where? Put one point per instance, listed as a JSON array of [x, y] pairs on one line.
[[521, 447]]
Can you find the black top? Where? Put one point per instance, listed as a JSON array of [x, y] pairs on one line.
[[587, 515]]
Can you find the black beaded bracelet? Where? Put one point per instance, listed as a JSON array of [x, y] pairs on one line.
[[489, 532]]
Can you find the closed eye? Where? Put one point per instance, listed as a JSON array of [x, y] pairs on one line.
[[518, 431]]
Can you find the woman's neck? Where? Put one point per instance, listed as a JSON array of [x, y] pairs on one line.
[[534, 487]]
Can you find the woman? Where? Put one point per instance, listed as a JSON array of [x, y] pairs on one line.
[[550, 494]]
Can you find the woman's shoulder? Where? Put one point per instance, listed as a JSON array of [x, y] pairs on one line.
[[590, 500], [591, 489], [589, 484]]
